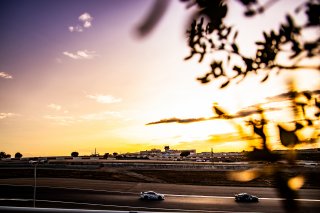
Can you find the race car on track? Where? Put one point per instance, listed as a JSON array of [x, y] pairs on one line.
[[245, 197], [151, 195]]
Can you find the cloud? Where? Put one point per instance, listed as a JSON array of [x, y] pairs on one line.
[[77, 28], [105, 99], [86, 22], [5, 75], [4, 115], [86, 18], [55, 107], [80, 54]]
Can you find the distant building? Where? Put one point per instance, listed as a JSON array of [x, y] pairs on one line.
[[152, 152], [178, 152]]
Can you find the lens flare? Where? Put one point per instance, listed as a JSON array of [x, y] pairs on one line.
[[296, 183]]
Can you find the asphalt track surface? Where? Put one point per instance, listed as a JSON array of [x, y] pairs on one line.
[[112, 195]]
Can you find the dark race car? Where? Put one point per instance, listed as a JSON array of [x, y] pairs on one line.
[[245, 197]]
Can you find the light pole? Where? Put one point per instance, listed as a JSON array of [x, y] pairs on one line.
[[34, 163]]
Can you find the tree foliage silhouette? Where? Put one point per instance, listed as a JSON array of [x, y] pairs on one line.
[[74, 154], [210, 34], [18, 155], [4, 155]]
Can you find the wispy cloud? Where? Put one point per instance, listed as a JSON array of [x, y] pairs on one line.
[[81, 54], [5, 75], [55, 107], [77, 28], [85, 22], [4, 115], [105, 99]]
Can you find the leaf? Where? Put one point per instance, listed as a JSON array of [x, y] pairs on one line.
[[248, 2], [238, 70], [259, 131], [307, 95], [260, 43], [265, 36], [289, 20], [265, 78], [235, 35], [310, 123], [225, 84], [250, 13], [188, 57], [288, 138], [204, 79], [235, 48], [299, 126], [228, 59]]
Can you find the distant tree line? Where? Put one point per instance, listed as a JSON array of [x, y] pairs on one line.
[[5, 155]]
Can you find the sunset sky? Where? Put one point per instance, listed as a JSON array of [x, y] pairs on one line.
[[74, 76]]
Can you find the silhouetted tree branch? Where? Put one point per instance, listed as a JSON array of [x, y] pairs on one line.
[[209, 34]]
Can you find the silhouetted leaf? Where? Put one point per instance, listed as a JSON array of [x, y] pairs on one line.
[[248, 2], [313, 14], [225, 84], [250, 13], [235, 48], [299, 125], [289, 21], [307, 95], [265, 36], [188, 57], [259, 131], [317, 103], [260, 9], [288, 138], [265, 78], [204, 79], [235, 36], [238, 70], [310, 123]]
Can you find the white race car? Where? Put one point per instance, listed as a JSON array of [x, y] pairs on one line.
[[151, 195]]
